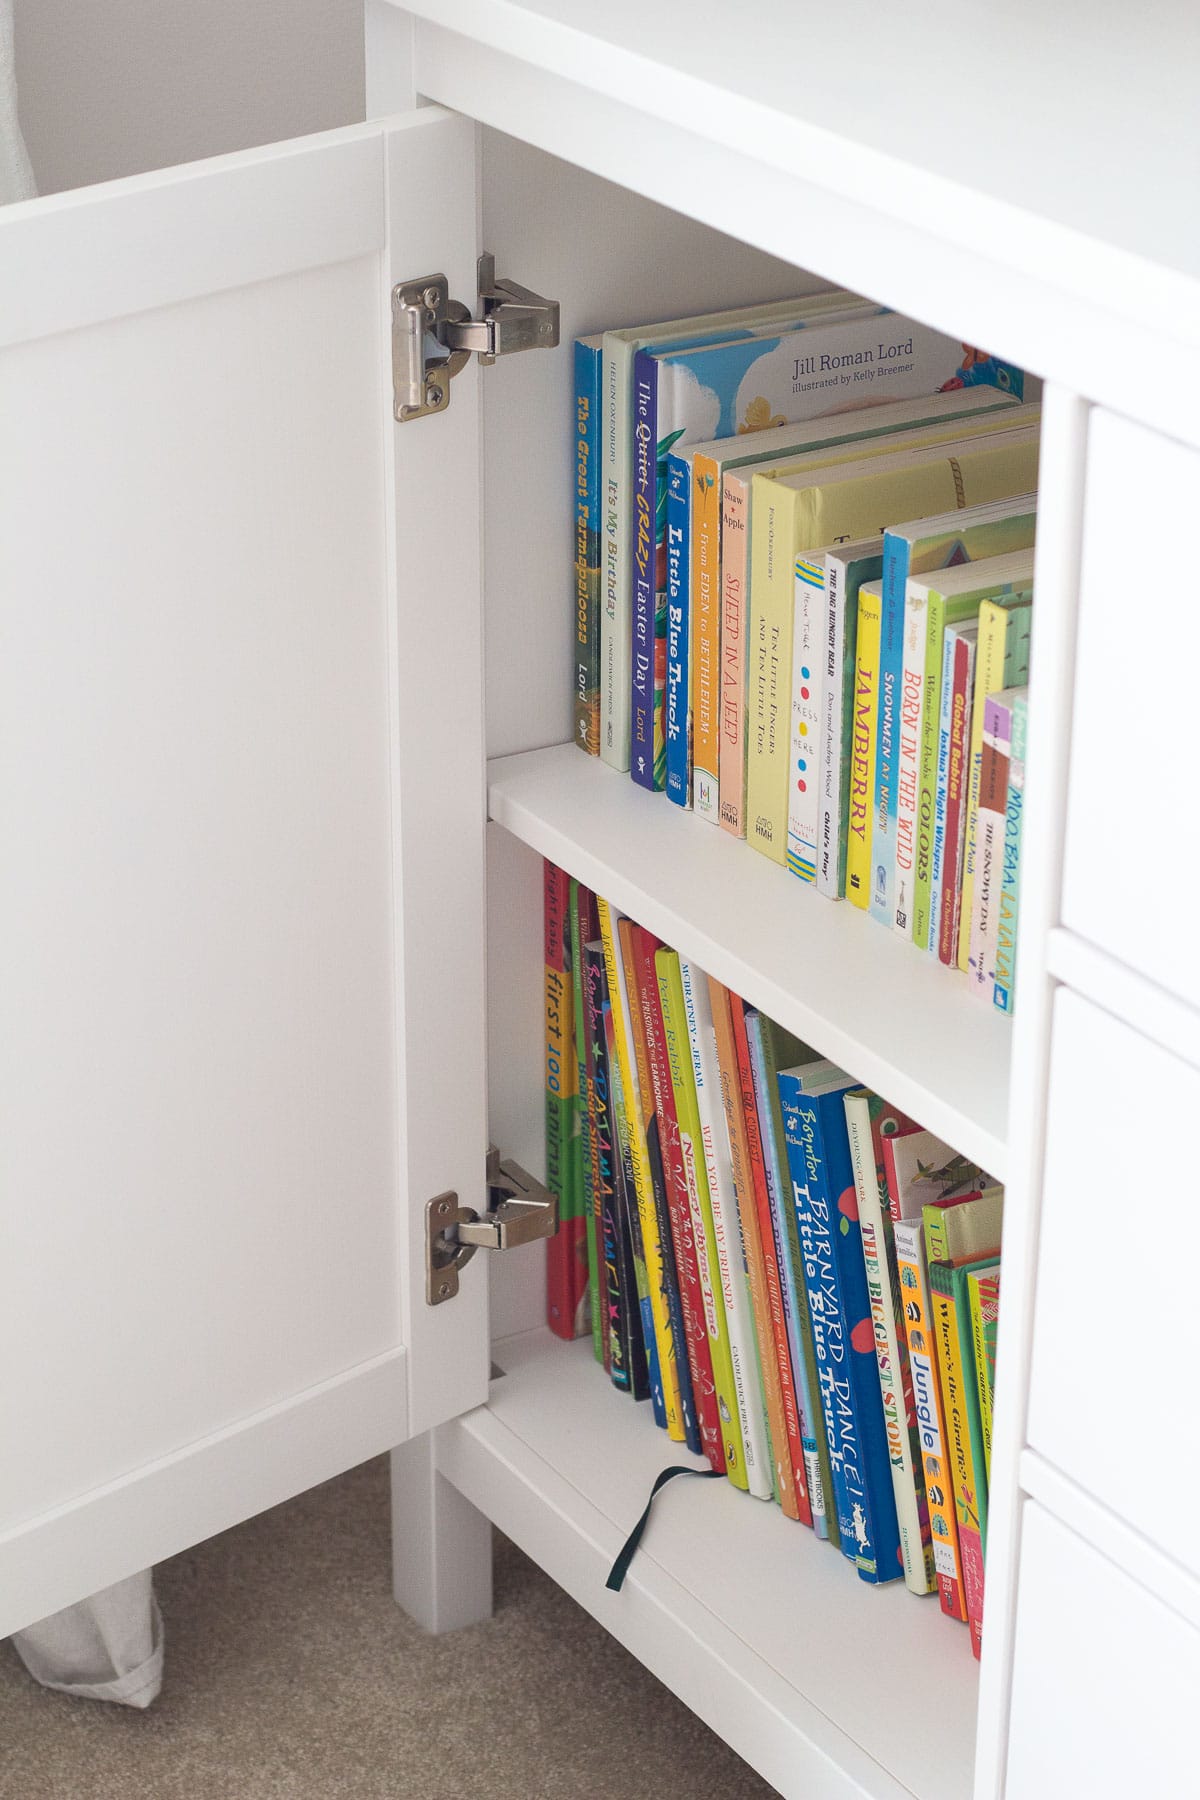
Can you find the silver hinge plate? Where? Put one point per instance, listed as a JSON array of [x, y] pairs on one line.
[[520, 1210], [433, 335]]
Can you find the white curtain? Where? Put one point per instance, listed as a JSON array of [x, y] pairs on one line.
[[111, 1646]]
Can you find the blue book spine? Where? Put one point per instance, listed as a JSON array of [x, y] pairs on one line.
[[645, 481], [588, 454], [778, 1198], [678, 707], [835, 1275], [891, 672]]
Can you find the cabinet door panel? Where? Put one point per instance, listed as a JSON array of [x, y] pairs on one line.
[[216, 757], [1104, 1401], [1104, 1679]]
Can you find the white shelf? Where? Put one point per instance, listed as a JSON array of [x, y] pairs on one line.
[[888, 1013], [818, 1679]]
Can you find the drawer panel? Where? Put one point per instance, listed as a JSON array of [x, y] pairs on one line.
[[1131, 861], [1105, 1678], [1112, 1379]]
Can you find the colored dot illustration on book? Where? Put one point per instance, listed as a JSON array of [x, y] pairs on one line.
[[862, 1338]]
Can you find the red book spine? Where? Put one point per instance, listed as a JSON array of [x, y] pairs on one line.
[[956, 809], [566, 1253], [766, 1232], [691, 1295]]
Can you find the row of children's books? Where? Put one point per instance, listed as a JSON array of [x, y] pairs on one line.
[[802, 1282], [774, 624]]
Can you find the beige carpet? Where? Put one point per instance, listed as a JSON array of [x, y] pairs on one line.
[[291, 1675]]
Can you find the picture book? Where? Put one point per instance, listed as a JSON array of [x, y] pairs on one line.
[[683, 1426], [931, 603], [584, 925], [991, 820], [1001, 660], [1004, 982], [808, 630], [629, 1085], [645, 1370], [700, 476], [733, 1100], [894, 698], [771, 1048], [983, 1290], [687, 1264], [817, 505], [865, 720], [679, 1057], [755, 1472], [847, 567], [566, 1253], [956, 1373], [588, 389], [917, 1313], [868, 1121], [844, 1339], [949, 811], [618, 1303], [961, 1229], [616, 617]]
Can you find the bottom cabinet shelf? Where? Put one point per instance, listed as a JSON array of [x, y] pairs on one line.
[[828, 1687]]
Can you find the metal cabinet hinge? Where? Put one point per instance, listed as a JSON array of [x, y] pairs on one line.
[[520, 1210], [433, 335]]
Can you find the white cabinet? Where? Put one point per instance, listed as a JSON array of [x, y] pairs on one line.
[[260, 643]]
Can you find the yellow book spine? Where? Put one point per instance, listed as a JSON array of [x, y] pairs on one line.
[[976, 1284], [630, 1076], [687, 1112], [990, 651], [862, 745], [705, 568], [769, 684]]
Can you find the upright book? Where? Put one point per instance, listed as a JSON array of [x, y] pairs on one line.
[[566, 1253], [588, 391]]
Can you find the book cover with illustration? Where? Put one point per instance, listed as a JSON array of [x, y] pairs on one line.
[[869, 1120], [1000, 540], [824, 364], [827, 1220], [566, 1253], [1001, 660], [588, 387], [831, 498]]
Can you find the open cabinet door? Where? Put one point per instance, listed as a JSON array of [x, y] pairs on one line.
[[241, 840]]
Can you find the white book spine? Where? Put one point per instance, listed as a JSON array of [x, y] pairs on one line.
[[616, 613], [731, 1255], [990, 829], [908, 774], [829, 820], [943, 773], [807, 720]]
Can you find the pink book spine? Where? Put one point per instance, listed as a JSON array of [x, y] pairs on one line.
[[735, 577]]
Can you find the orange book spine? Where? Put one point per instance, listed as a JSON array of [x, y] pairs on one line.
[[760, 1306]]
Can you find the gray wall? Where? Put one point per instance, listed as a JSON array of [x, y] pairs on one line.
[[112, 87]]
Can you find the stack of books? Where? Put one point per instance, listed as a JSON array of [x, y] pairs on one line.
[[802, 1282], [803, 572]]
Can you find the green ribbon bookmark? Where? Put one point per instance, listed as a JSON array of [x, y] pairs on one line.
[[619, 1570]]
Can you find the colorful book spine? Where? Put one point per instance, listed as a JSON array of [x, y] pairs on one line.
[[835, 1276], [646, 676], [734, 1102], [844, 576], [645, 1378], [885, 792], [755, 1473], [957, 1379], [687, 1110], [677, 708], [687, 1267], [1001, 658], [964, 1228], [681, 1426], [629, 1088], [862, 747], [764, 1063], [615, 565], [566, 1253], [804, 787], [983, 1294], [958, 673], [912, 828], [589, 374], [990, 828], [615, 1297], [1004, 984], [793, 1430], [704, 558], [868, 1120], [583, 929], [735, 585], [927, 1400]]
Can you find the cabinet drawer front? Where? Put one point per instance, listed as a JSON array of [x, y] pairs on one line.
[[1131, 861], [1104, 1679], [1113, 1352]]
